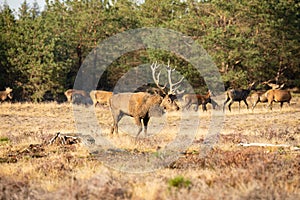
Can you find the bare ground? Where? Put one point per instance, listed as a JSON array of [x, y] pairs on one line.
[[32, 169]]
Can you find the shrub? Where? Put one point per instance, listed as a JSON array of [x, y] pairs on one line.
[[179, 182]]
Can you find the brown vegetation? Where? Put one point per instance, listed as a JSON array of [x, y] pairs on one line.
[[31, 169]]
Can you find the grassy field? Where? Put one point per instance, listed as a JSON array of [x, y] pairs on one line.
[[32, 169]]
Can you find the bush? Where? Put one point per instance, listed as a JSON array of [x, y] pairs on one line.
[[179, 182]]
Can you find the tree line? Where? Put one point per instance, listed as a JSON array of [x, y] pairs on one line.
[[42, 50]]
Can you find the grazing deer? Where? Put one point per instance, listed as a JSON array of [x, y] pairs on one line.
[[139, 105], [71, 92], [238, 95], [198, 99], [278, 96], [257, 97], [6, 93], [100, 97]]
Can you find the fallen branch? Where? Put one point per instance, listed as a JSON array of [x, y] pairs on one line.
[[269, 145], [72, 138], [65, 139]]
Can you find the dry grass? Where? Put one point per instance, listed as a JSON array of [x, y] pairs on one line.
[[30, 169]]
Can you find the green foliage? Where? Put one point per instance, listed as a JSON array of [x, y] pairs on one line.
[[236, 79], [42, 51], [4, 140], [179, 182]]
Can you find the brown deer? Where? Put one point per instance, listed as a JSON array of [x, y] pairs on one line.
[[278, 96], [6, 93], [273, 85], [71, 92], [197, 99], [238, 95], [100, 97], [257, 97], [139, 105]]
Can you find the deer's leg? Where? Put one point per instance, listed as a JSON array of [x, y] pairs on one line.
[[146, 120], [204, 108], [196, 107], [70, 99], [138, 122], [225, 104], [117, 116], [245, 101], [188, 105], [270, 104], [114, 127], [281, 104], [213, 103], [229, 105], [185, 105], [253, 106]]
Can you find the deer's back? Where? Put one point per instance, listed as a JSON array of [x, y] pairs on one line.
[[279, 95], [238, 94]]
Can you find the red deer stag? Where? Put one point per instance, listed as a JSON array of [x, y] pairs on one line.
[[278, 96], [139, 105], [72, 92], [260, 96], [100, 97], [197, 99], [6, 93], [273, 85], [238, 95]]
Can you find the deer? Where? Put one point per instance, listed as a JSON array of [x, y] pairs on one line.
[[198, 99], [278, 96], [273, 85], [257, 97], [6, 93], [71, 92], [238, 95], [139, 105], [100, 97]]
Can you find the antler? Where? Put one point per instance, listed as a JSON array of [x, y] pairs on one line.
[[154, 67], [175, 85]]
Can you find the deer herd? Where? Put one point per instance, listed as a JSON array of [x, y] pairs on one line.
[[143, 104]]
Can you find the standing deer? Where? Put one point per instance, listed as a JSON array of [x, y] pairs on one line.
[[198, 99], [273, 85], [71, 92], [100, 97], [6, 93], [238, 95], [278, 96], [139, 105], [257, 97]]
